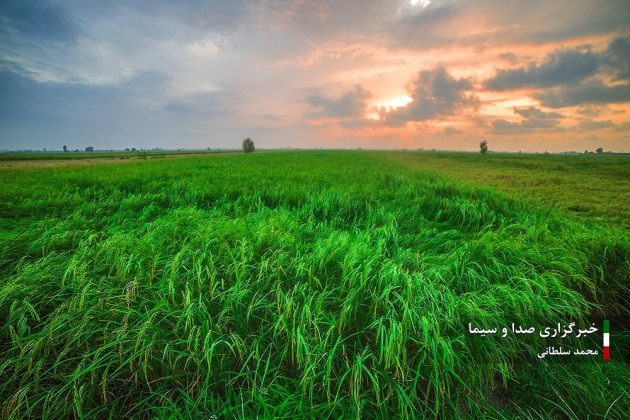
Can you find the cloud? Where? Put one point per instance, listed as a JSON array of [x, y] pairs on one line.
[[52, 114], [573, 77], [574, 19], [37, 21], [352, 103], [589, 125], [451, 131], [430, 14], [436, 25], [533, 113], [559, 68], [145, 80], [533, 119], [509, 57], [485, 23], [349, 109], [217, 16], [617, 57], [173, 72], [45, 114], [590, 111], [207, 104], [623, 127], [594, 92], [435, 93], [203, 48]]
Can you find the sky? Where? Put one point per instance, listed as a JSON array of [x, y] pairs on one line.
[[376, 74]]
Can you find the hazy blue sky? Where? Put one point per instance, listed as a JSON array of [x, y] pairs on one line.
[[525, 75]]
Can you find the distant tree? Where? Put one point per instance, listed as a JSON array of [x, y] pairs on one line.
[[483, 147], [89, 149], [248, 145], [599, 150], [586, 151], [65, 148], [126, 149], [133, 149]]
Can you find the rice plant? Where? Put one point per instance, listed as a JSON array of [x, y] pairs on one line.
[[302, 284]]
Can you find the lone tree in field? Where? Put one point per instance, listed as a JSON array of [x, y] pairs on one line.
[[89, 149], [248, 145], [599, 150], [65, 148], [483, 147]]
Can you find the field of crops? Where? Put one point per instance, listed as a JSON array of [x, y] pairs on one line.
[[310, 284]]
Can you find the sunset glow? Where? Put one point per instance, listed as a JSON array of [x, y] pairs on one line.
[[528, 76], [395, 102]]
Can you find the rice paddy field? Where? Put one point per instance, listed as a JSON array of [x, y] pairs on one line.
[[311, 284]]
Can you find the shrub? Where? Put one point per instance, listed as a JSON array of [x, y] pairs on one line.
[[248, 145]]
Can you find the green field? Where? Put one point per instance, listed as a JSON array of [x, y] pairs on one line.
[[311, 284]]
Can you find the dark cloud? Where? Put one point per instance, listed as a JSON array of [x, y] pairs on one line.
[[22, 98], [574, 77], [447, 22], [533, 113], [433, 14], [559, 67], [617, 58], [350, 104], [430, 27], [595, 92], [38, 20], [434, 93], [573, 19], [590, 111], [534, 119], [589, 125], [45, 114], [424, 21], [49, 114]]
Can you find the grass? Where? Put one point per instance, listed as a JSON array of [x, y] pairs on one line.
[[297, 284], [589, 186], [75, 156]]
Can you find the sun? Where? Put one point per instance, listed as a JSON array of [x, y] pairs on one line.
[[389, 104], [396, 102]]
